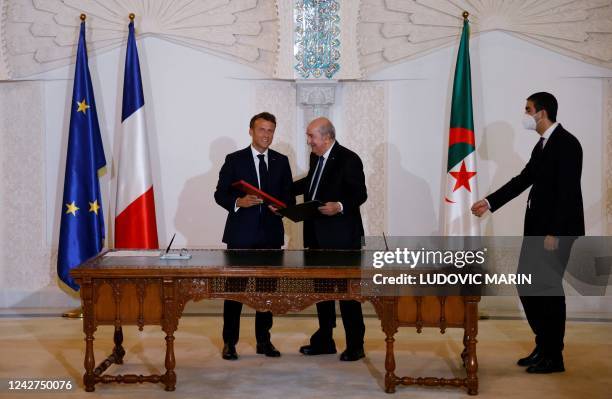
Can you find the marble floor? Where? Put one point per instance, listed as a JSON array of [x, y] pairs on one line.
[[40, 345]]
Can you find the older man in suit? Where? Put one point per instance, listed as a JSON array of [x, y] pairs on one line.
[[251, 224], [553, 219], [336, 179]]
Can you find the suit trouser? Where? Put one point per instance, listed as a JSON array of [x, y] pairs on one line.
[[231, 323], [352, 318], [232, 310], [544, 302]]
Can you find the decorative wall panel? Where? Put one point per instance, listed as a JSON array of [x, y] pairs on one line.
[[317, 43], [26, 259], [41, 35], [394, 30], [365, 132]]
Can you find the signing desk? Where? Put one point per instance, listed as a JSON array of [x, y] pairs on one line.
[[119, 290]]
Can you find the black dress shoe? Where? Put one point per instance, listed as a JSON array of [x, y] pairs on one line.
[[547, 366], [532, 359], [310, 350], [267, 349], [352, 355], [229, 352]]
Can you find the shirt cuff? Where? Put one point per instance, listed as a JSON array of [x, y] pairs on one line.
[[341, 207], [488, 204], [236, 207]]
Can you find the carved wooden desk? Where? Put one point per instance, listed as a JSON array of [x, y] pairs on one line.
[[144, 290]]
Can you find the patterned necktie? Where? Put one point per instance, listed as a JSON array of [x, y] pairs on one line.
[[315, 180]]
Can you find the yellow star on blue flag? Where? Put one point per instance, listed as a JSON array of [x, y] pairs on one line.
[[82, 106]]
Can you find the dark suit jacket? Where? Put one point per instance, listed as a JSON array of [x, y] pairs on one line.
[[244, 228], [555, 200], [342, 180]]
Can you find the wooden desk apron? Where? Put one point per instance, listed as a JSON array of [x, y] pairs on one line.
[[144, 290]]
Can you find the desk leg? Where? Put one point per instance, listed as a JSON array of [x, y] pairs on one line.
[[390, 364], [118, 351], [471, 362], [169, 326], [89, 376], [389, 326], [89, 327], [170, 376]]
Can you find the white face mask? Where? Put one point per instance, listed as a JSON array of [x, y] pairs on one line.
[[529, 121]]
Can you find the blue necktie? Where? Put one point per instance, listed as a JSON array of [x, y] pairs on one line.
[[315, 180]]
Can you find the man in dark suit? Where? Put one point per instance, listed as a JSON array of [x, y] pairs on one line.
[[251, 224], [336, 179], [553, 219]]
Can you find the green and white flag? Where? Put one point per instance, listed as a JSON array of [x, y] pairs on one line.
[[461, 186]]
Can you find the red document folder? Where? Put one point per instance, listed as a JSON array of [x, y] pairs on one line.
[[250, 189]]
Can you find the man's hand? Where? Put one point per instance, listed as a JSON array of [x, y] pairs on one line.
[[248, 201], [479, 208], [551, 243], [274, 210], [330, 208]]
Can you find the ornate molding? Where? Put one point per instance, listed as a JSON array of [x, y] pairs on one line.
[[316, 98], [317, 43], [289, 295], [394, 30], [316, 94], [191, 290], [281, 304], [41, 35], [361, 36]]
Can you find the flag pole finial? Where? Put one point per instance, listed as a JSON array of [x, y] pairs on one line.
[[83, 17], [132, 16], [466, 15]]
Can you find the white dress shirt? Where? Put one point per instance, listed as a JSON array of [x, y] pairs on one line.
[[548, 132], [325, 158], [256, 160]]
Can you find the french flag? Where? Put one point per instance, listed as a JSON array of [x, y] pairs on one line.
[[135, 224]]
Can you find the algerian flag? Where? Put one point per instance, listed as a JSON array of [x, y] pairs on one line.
[[461, 187]]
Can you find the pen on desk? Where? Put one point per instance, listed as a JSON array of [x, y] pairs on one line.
[[171, 241]]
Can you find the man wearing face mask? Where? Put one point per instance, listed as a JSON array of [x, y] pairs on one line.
[[554, 217]]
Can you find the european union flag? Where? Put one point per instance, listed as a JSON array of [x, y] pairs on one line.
[[82, 221]]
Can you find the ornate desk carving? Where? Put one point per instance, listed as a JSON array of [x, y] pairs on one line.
[[140, 291]]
